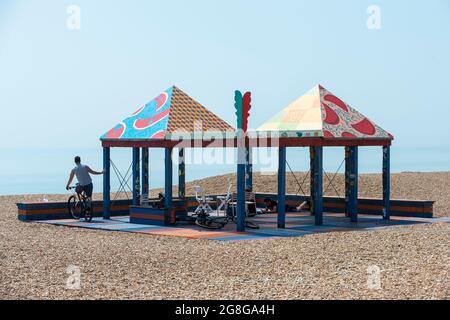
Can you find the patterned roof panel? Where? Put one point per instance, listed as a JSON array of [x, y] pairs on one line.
[[171, 111], [187, 114], [320, 113]]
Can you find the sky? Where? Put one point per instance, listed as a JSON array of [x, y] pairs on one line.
[[62, 88], [67, 87]]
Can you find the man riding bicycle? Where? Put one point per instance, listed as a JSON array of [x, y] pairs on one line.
[[82, 172]]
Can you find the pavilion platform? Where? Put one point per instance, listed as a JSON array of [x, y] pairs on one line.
[[297, 225]]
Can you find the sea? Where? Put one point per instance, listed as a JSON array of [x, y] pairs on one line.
[[46, 171]]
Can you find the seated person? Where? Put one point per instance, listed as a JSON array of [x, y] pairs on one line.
[[305, 205], [161, 201], [271, 206]]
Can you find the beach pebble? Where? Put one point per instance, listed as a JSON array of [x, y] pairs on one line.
[[407, 262]]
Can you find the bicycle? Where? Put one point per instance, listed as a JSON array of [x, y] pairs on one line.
[[204, 220], [79, 205]]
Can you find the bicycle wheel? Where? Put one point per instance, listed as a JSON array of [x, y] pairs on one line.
[[208, 223], [74, 207], [87, 212]]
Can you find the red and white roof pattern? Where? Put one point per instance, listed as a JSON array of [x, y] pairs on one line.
[[319, 113]]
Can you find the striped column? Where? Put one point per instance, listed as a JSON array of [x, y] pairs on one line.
[[351, 183], [181, 174], [106, 183], [144, 172], [386, 182], [316, 163], [168, 180], [281, 208], [240, 184], [136, 180]]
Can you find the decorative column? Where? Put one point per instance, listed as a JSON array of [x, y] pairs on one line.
[[281, 208], [316, 163], [144, 173], [136, 181], [168, 180], [347, 178], [248, 169], [351, 182], [386, 182], [106, 183], [181, 174], [242, 104], [311, 179], [240, 186]]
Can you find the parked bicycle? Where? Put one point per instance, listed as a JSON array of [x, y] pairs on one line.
[[80, 205], [204, 220]]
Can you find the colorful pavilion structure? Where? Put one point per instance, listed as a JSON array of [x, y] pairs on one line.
[[172, 119], [316, 120], [320, 119]]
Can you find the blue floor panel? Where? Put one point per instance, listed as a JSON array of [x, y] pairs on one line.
[[296, 226]]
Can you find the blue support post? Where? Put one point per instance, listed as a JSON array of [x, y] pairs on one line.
[[281, 208], [311, 179], [351, 183], [144, 173], [248, 169], [316, 157], [240, 206], [181, 174], [386, 182], [347, 179], [240, 183], [106, 183], [168, 179], [136, 181]]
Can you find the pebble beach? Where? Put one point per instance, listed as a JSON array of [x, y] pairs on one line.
[[413, 261]]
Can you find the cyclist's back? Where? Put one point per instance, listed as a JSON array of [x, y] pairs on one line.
[[81, 171]]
